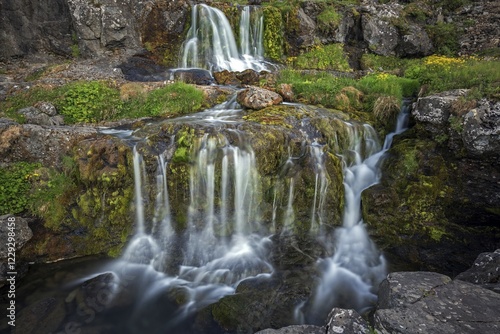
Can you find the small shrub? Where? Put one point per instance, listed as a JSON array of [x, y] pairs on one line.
[[445, 36]]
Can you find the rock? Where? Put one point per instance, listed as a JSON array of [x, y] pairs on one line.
[[485, 271], [22, 234], [401, 288], [380, 34], [226, 77], [258, 98], [286, 91], [423, 302], [43, 316], [143, 69], [415, 42], [104, 26], [435, 110], [35, 143], [297, 329], [33, 115], [481, 134], [306, 28], [196, 76], [249, 77], [28, 27], [46, 107], [346, 322]]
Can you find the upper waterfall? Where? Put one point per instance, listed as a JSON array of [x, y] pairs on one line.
[[211, 43]]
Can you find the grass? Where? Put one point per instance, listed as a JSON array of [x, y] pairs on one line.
[[322, 57]]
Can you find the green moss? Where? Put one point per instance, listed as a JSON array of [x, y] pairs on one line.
[[273, 33]]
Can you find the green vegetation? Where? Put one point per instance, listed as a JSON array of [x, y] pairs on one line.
[[96, 101], [329, 19], [15, 185], [445, 37], [322, 57], [90, 102]]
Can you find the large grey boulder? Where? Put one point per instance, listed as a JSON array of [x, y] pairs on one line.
[[425, 302], [484, 272], [481, 134]]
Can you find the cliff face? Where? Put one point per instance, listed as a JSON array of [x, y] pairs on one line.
[[103, 27]]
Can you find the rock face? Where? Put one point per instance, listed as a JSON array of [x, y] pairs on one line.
[[258, 98], [104, 26], [416, 302], [28, 27]]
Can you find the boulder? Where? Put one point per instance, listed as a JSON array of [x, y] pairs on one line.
[[484, 272], [481, 129], [34, 115], [258, 98], [435, 109], [196, 76], [143, 69], [425, 302], [378, 31], [346, 322]]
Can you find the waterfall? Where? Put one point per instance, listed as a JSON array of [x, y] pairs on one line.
[[211, 44], [350, 277]]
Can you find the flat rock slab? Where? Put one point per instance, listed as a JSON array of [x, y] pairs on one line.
[[423, 302]]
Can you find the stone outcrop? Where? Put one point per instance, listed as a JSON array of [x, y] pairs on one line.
[[297, 329], [258, 98], [416, 302]]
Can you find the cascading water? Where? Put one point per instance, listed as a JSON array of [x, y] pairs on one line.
[[351, 276], [210, 42]]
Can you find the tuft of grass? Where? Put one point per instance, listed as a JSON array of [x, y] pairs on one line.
[[386, 109]]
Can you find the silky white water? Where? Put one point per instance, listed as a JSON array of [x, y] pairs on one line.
[[210, 43], [349, 278]]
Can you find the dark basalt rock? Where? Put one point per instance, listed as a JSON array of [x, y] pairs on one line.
[[143, 69], [196, 76]]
